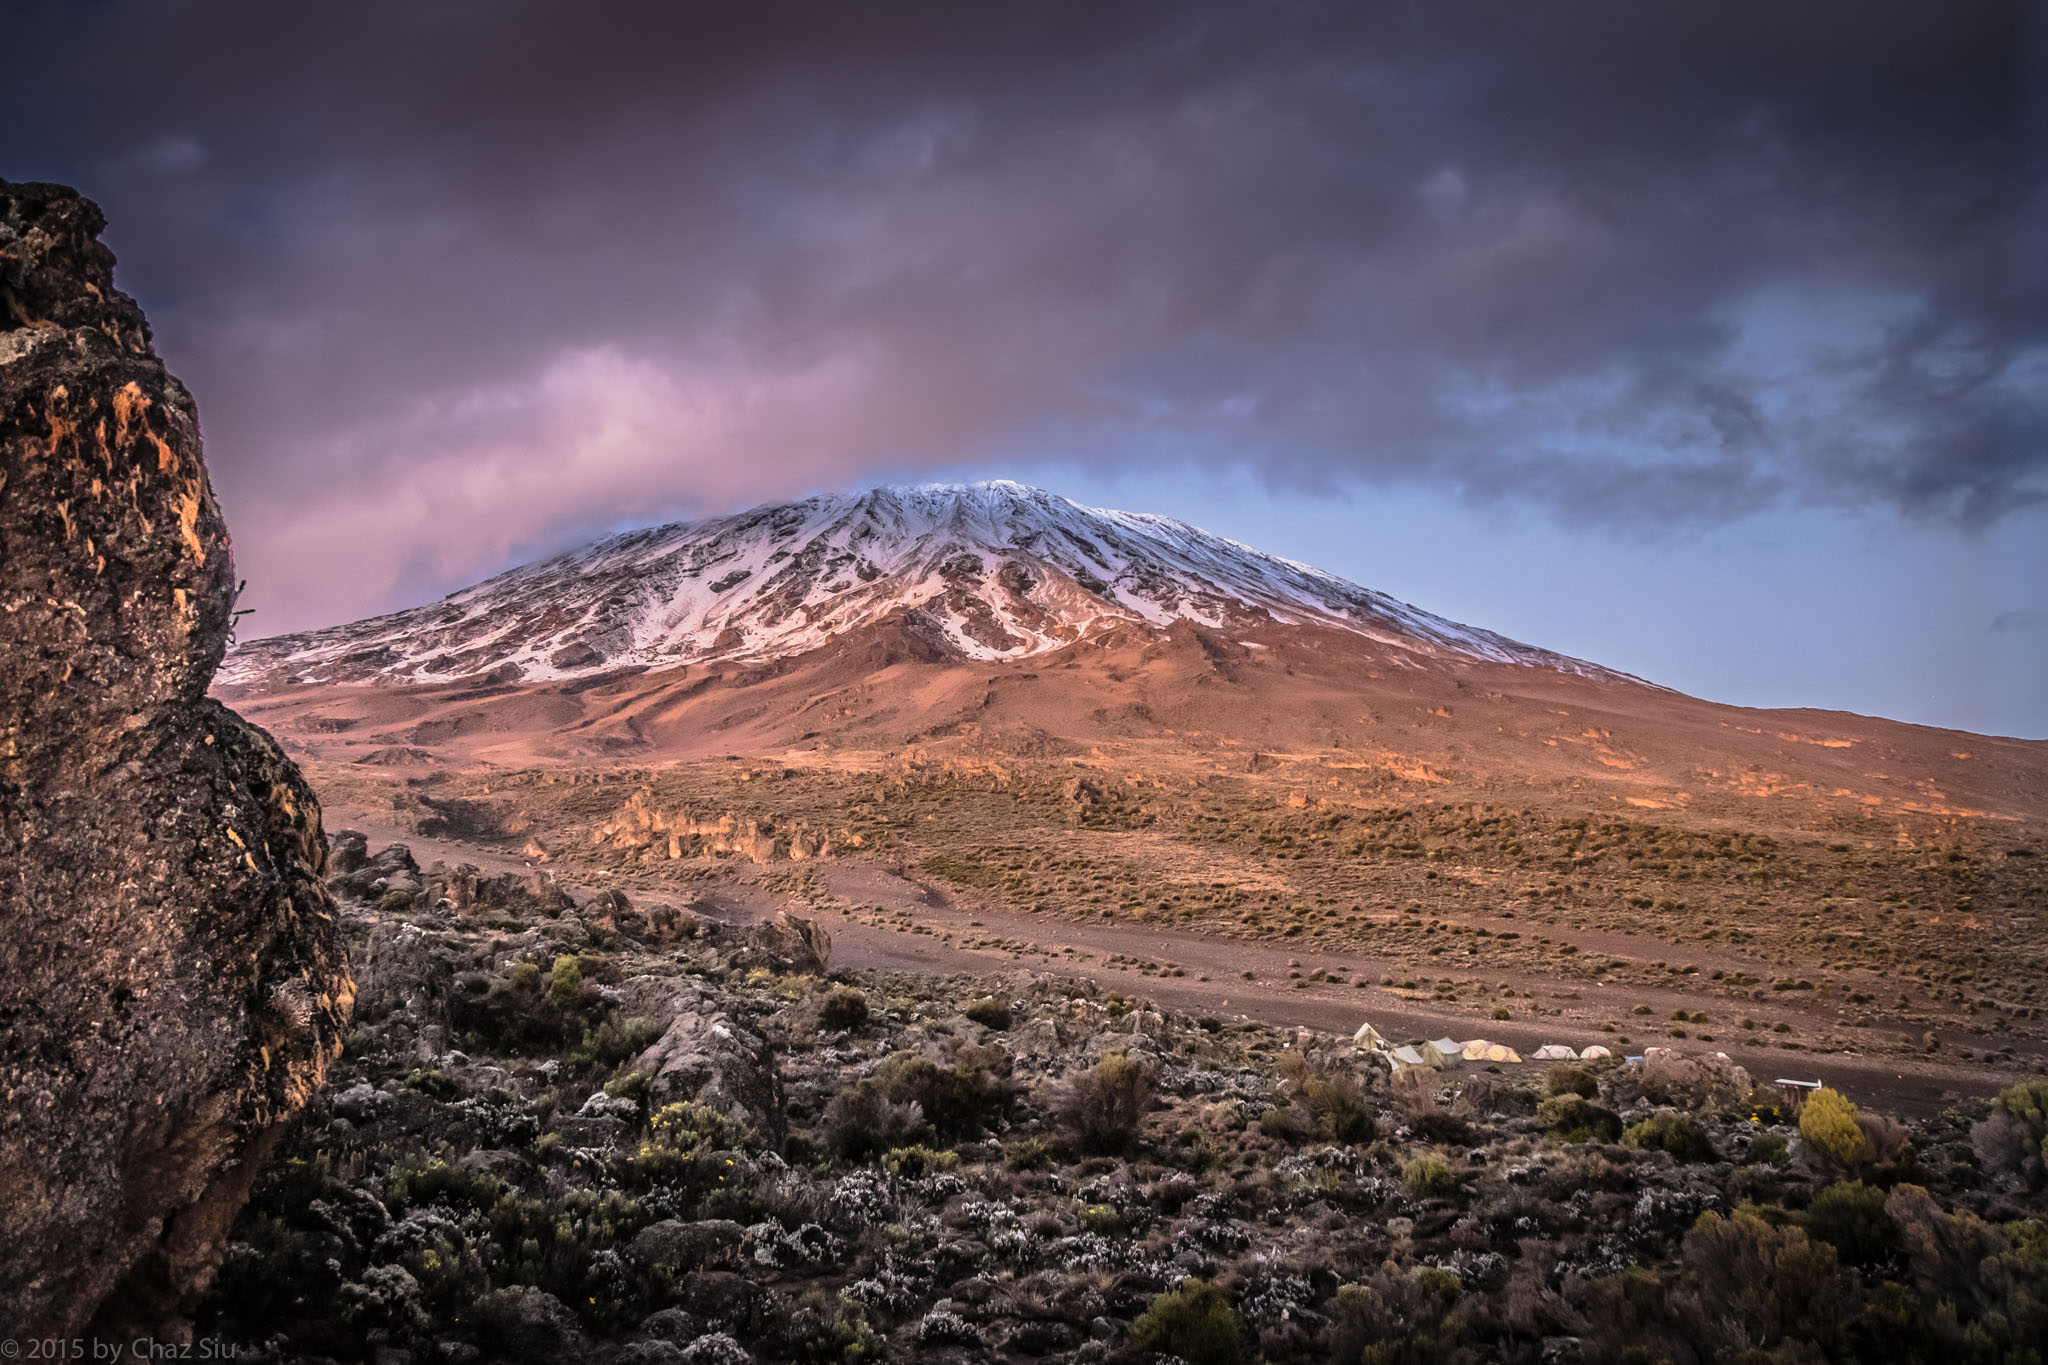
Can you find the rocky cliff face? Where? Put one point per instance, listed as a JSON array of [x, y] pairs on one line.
[[172, 986]]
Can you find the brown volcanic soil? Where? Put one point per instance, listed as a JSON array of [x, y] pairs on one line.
[[888, 921], [1384, 720], [1817, 893]]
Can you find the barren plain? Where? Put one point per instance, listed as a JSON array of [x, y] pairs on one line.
[[1303, 829]]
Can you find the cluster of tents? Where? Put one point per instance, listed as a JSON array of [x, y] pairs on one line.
[[1442, 1052]]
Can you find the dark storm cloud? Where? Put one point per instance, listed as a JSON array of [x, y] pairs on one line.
[[460, 281]]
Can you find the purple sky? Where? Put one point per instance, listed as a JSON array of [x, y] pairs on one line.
[[1706, 340]]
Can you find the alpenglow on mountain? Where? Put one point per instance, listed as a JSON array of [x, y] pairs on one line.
[[981, 571]]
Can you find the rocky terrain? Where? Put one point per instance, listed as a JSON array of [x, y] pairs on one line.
[[592, 1127], [172, 984], [1303, 891]]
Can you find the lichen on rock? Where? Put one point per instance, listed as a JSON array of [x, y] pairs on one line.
[[172, 984]]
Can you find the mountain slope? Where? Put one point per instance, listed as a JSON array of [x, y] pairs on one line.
[[999, 619], [983, 572]]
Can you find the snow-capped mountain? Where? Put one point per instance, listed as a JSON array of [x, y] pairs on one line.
[[982, 571]]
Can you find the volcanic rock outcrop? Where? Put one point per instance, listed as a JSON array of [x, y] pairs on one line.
[[172, 983]]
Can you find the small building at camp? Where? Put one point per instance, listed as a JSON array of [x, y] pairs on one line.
[[1794, 1094]]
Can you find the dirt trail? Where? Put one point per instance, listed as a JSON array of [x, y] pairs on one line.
[[910, 926], [1215, 984]]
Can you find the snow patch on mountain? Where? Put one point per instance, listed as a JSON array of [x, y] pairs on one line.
[[984, 571]]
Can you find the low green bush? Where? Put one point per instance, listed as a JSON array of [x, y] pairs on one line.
[[1428, 1176], [564, 1243], [843, 1010], [1667, 1130], [990, 1011], [1337, 1106], [1101, 1218], [1769, 1149], [830, 1330], [677, 1149], [1828, 1124], [1573, 1118], [565, 983], [432, 1082], [416, 1179], [918, 1161], [517, 1014], [2013, 1139], [910, 1098], [1850, 1217], [1027, 1154], [1193, 1322], [614, 1040], [1398, 1317], [1104, 1106], [962, 1098], [862, 1121], [1572, 1080], [1762, 1285], [1283, 1123]]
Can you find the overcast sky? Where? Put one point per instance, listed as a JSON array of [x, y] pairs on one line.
[[1709, 341]]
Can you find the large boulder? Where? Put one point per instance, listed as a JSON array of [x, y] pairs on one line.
[[788, 943], [706, 1055], [391, 868], [172, 984]]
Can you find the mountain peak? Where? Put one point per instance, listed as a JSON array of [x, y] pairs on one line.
[[983, 571]]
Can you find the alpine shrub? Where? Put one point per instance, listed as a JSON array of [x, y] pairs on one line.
[[1573, 1118], [1104, 1106], [1428, 1176], [1193, 1322], [843, 1009], [2014, 1139], [1851, 1218], [1572, 1080], [1828, 1124], [989, 1011], [1667, 1130]]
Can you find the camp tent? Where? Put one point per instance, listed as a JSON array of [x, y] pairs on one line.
[[1406, 1057], [1555, 1052], [1369, 1037], [1594, 1053], [1480, 1050], [1435, 1056], [1450, 1047]]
